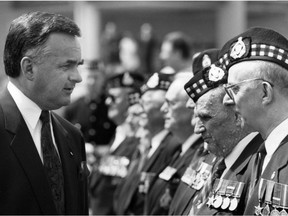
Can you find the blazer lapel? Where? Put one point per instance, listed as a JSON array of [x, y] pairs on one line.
[[26, 153], [70, 169]]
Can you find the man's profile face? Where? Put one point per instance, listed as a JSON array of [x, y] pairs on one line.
[[151, 102], [118, 104], [216, 123], [247, 96], [167, 54], [176, 114], [56, 72]]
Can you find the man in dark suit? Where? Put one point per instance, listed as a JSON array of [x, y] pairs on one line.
[[123, 92], [131, 193], [257, 85], [233, 144], [41, 56], [178, 121]]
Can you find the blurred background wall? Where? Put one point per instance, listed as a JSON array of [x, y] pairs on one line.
[[209, 24]]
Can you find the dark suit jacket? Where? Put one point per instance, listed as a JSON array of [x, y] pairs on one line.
[[129, 200], [185, 193], [24, 188], [241, 172], [157, 189], [102, 187], [276, 170]]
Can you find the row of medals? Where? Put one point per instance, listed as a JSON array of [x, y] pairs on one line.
[[280, 194], [229, 201]]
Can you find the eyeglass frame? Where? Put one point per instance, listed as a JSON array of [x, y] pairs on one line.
[[229, 87]]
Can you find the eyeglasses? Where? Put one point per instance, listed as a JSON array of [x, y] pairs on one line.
[[232, 89]]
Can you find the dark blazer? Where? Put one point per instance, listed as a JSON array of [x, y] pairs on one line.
[[102, 187], [158, 188], [129, 199], [24, 188], [180, 204], [276, 170], [241, 172]]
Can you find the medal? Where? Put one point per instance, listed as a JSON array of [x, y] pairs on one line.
[[226, 203], [275, 212], [283, 200], [228, 193], [276, 199], [189, 176], [233, 204], [261, 191], [283, 213], [266, 210], [210, 200], [217, 201]]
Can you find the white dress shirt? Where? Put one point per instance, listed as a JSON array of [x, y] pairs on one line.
[[156, 141], [31, 113], [274, 140]]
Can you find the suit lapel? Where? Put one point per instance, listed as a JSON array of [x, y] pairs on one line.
[[26, 153], [70, 169]]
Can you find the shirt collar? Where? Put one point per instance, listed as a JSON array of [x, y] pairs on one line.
[[157, 139], [233, 156], [189, 142], [29, 110], [275, 137]]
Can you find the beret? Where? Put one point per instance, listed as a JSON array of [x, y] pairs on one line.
[[206, 79], [126, 80], [158, 81], [204, 59], [255, 44]]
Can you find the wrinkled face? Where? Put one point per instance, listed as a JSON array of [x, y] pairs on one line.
[[246, 92], [56, 73], [151, 102], [167, 55], [174, 108], [216, 123], [117, 102]]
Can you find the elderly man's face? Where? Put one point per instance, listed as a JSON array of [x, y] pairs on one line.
[[177, 116], [246, 91], [217, 123], [117, 102], [151, 102]]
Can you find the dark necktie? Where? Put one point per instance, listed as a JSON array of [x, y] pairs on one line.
[[52, 164], [257, 168]]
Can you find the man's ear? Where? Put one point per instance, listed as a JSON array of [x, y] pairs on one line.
[[27, 67], [267, 93]]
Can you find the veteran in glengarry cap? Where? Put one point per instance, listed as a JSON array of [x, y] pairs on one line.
[[257, 64], [233, 144], [181, 202]]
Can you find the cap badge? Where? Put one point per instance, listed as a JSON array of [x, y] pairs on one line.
[[153, 81], [215, 73], [238, 50], [127, 79], [206, 61]]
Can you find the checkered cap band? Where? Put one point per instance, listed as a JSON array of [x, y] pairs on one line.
[[260, 52], [196, 88]]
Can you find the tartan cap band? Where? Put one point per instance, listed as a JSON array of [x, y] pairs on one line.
[[256, 44]]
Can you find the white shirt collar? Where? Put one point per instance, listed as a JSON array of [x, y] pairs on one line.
[[29, 110], [233, 156], [189, 142], [275, 137], [156, 141]]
